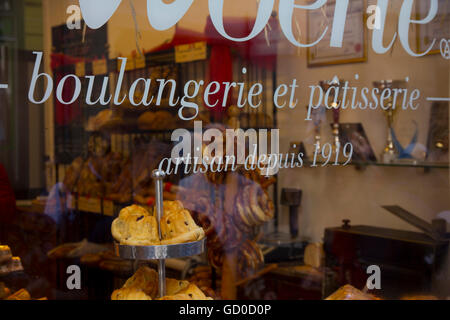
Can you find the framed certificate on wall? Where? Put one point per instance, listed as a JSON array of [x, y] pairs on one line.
[[354, 47], [438, 28]]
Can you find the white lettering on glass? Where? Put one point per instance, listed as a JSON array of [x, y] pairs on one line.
[[286, 10], [97, 13], [36, 75], [163, 16], [264, 12], [405, 20]]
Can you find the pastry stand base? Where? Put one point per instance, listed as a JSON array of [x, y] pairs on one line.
[[160, 253]]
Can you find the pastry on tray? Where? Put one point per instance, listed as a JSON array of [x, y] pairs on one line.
[[143, 285], [135, 226], [5, 254], [179, 296], [174, 286], [129, 294], [12, 265], [22, 294], [157, 120], [193, 292], [177, 225]]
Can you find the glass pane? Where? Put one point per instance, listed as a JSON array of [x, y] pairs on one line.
[[261, 152]]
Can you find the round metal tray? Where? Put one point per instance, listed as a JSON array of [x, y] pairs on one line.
[[161, 251]]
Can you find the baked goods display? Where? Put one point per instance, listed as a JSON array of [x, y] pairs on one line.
[[8, 263], [349, 292], [105, 120], [4, 291], [143, 285], [12, 265], [202, 277], [157, 120], [62, 251], [230, 206], [5, 254], [177, 225], [108, 261], [229, 229], [94, 256], [89, 182], [129, 294], [21, 294], [253, 207], [73, 173], [76, 249], [136, 226], [116, 177]]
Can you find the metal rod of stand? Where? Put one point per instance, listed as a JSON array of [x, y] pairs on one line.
[[158, 176]]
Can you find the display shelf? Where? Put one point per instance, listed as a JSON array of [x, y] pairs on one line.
[[160, 251], [129, 131], [412, 164], [415, 164]]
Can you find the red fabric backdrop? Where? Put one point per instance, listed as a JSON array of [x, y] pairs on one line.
[[261, 50]]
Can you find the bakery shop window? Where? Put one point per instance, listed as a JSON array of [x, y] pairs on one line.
[[224, 152]]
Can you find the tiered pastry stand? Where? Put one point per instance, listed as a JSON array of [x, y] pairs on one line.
[[160, 252]]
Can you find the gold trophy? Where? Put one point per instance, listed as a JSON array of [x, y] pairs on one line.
[[317, 116], [390, 153], [336, 107]]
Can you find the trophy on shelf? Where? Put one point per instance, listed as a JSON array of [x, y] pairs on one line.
[[335, 103], [390, 153], [317, 116]]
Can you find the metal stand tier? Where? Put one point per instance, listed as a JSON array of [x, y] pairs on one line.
[[160, 252]]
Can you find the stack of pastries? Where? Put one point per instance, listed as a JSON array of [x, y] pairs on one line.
[[138, 227], [8, 263], [117, 177], [143, 285]]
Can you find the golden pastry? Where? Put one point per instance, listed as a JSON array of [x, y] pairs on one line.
[[179, 296], [191, 292], [349, 292], [177, 225], [22, 294], [194, 293], [5, 254], [172, 206], [135, 226], [159, 120], [175, 286], [13, 265], [143, 285], [129, 294]]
